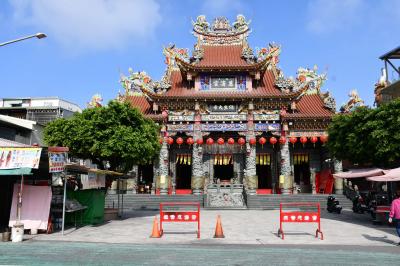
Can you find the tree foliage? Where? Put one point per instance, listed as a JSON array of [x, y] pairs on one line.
[[367, 135], [115, 134]]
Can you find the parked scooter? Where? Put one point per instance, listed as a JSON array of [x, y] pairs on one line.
[[333, 205], [359, 205]]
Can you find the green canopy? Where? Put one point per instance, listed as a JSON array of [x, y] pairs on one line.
[[16, 171]]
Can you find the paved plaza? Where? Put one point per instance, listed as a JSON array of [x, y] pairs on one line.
[[240, 227], [250, 239]]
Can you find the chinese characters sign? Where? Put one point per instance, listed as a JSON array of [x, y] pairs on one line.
[[57, 161], [224, 127], [267, 127], [12, 158], [224, 117], [219, 108], [180, 127]]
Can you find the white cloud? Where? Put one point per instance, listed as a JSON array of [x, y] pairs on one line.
[[90, 24], [325, 16]]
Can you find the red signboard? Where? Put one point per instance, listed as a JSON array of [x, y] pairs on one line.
[[180, 216], [293, 213]]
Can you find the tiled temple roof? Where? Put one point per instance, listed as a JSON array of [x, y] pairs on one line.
[[310, 106], [216, 56], [179, 90]]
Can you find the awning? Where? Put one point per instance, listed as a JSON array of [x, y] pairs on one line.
[[16, 171], [359, 173], [390, 175]]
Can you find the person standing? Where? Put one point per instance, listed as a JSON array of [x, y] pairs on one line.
[[394, 215]]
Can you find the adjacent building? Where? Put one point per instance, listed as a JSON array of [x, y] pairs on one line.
[[231, 119], [40, 109], [388, 88]]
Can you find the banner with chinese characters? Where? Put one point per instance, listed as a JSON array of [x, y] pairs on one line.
[[180, 127], [224, 117], [267, 127], [224, 127], [181, 118], [307, 133], [13, 158], [93, 180], [270, 116]]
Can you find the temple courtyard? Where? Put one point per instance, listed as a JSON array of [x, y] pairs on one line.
[[239, 227], [250, 239]]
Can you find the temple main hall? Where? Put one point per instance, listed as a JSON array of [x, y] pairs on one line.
[[231, 123]]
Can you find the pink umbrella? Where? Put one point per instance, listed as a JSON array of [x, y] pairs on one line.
[[390, 175], [359, 173]]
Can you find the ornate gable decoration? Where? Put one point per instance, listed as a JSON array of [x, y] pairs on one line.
[[307, 81], [139, 83], [353, 102], [221, 32]]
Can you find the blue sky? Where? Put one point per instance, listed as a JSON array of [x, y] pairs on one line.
[[90, 42]]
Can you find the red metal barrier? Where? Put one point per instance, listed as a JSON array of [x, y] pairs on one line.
[[299, 216], [179, 215]]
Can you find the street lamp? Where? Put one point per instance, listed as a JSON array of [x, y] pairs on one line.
[[38, 35]]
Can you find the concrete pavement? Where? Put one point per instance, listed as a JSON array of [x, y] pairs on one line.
[[240, 227]]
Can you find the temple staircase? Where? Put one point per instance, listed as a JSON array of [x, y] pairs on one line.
[[271, 202], [146, 201]]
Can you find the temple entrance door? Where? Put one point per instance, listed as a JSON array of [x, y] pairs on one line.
[[223, 168], [264, 173], [145, 178], [183, 173], [302, 172]]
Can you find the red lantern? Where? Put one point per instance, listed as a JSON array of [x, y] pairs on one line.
[[161, 140], [190, 141], [199, 141], [221, 141], [293, 140], [324, 138], [314, 140], [210, 141], [273, 141], [252, 141], [282, 140], [241, 141], [231, 141], [262, 141], [170, 141], [303, 140], [179, 141]]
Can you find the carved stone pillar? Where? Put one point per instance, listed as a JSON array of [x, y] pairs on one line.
[[286, 169], [197, 165], [337, 166], [312, 180], [250, 173], [163, 177]]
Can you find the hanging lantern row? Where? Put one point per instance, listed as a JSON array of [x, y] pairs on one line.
[[242, 141]]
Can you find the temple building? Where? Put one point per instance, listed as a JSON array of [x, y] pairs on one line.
[[230, 118]]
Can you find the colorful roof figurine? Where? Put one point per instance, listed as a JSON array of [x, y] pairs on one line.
[[354, 102]]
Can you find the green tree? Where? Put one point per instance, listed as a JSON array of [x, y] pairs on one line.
[[115, 134], [367, 136]]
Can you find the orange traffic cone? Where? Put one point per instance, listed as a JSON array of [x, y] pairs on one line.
[[156, 231], [219, 233]]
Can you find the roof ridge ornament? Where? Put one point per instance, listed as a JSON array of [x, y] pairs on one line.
[[353, 102], [308, 81], [221, 32]]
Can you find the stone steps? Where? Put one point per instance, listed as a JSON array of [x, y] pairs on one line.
[[148, 202], [271, 202], [265, 202]]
